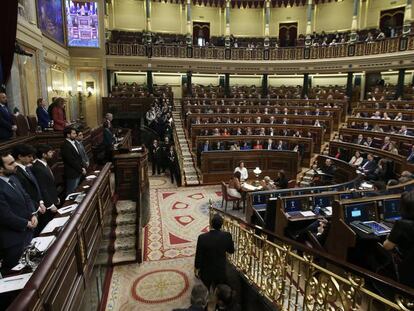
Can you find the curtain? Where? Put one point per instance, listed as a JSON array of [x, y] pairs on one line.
[[8, 27]]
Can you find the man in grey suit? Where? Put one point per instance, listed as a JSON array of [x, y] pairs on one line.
[[81, 148]]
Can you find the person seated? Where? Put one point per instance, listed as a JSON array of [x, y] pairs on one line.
[[410, 158], [328, 169], [234, 186], [258, 145], [392, 148], [219, 146], [281, 182], [245, 146], [7, 128], [280, 145], [369, 166], [43, 118], [401, 237], [267, 183], [356, 160], [242, 170], [199, 298], [225, 298], [360, 140]]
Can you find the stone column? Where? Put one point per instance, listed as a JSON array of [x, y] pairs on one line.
[[148, 20], [349, 85], [227, 31], [407, 18], [265, 84], [400, 84], [150, 84], [189, 88], [309, 14], [189, 37], [354, 25], [305, 85], [267, 23], [227, 84]]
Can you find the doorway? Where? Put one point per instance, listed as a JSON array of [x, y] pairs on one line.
[[288, 33], [391, 21], [201, 33]]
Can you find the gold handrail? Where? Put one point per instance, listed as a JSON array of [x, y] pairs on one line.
[[179, 156], [295, 280]]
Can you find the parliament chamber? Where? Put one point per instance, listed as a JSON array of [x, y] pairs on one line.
[[131, 132]]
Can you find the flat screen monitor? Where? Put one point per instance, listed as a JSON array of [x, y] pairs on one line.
[[293, 205], [82, 23], [392, 209], [359, 211], [322, 201], [346, 196]]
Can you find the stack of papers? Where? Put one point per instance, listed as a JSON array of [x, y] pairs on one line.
[[42, 243], [136, 149], [67, 209], [307, 213], [72, 196], [14, 282], [55, 223], [250, 187], [90, 177]]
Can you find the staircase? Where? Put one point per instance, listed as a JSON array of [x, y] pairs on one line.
[[190, 175]]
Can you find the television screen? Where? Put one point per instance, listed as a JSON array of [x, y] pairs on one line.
[[322, 201], [392, 209], [82, 24], [293, 205], [359, 211]]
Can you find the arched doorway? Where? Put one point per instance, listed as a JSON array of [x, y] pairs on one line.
[[201, 33], [391, 21], [288, 33]]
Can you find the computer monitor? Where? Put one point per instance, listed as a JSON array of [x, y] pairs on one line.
[[293, 205], [322, 201], [346, 196], [392, 209], [359, 211]]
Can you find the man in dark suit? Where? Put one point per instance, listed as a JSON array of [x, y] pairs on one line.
[[72, 160], [360, 140], [17, 218], [6, 121], [369, 166], [81, 148], [410, 158], [45, 178], [210, 258], [173, 165], [23, 155], [43, 118], [269, 145], [155, 157]]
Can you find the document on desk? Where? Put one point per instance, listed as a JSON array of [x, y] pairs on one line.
[[42, 243], [14, 282], [72, 196], [136, 149], [55, 223], [250, 187], [67, 209], [307, 213]]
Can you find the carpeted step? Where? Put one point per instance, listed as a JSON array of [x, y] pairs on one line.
[[124, 256], [192, 182], [126, 219], [125, 231], [102, 259], [126, 206], [125, 243]]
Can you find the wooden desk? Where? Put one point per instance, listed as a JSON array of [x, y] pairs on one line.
[[65, 272], [218, 166], [408, 115]]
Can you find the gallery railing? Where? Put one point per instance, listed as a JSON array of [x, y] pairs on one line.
[[294, 277], [390, 45]]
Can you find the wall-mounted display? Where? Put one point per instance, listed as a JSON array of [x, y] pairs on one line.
[[82, 24], [50, 19]]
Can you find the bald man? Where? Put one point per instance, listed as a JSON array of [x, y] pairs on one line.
[[6, 119]]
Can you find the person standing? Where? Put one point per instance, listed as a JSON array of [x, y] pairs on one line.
[[173, 165], [155, 157], [58, 115], [7, 128], [23, 155], [81, 148], [72, 160], [165, 147], [210, 257], [17, 215], [45, 178], [43, 118]]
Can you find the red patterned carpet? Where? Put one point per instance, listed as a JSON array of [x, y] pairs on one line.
[[165, 279]]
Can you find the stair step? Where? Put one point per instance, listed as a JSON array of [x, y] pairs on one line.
[[124, 256], [125, 206], [192, 182], [125, 243], [126, 219], [126, 230]]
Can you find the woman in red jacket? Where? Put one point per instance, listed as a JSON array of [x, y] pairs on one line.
[[58, 115]]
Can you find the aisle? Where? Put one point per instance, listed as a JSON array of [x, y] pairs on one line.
[[165, 279]]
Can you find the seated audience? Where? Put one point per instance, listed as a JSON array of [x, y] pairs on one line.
[[281, 182], [369, 166], [243, 171], [43, 118], [400, 240], [7, 128], [357, 159]]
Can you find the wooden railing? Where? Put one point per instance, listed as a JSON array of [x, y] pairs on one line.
[[390, 45]]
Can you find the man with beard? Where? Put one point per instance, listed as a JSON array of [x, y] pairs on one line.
[[6, 120]]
